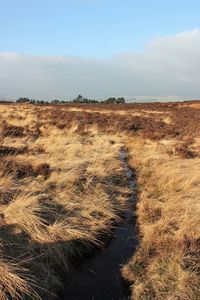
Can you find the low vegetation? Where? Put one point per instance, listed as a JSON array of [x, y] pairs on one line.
[[167, 262], [60, 193], [62, 188]]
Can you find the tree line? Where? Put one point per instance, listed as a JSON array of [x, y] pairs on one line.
[[80, 100]]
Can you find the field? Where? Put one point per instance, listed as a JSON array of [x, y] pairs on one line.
[[63, 189]]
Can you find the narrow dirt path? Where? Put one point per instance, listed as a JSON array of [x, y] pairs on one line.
[[100, 277]]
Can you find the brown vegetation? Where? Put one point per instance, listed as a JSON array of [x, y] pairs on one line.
[[59, 192], [167, 262], [62, 187]]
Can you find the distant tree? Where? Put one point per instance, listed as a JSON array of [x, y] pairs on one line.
[[64, 101], [120, 100], [81, 99], [23, 100], [41, 102], [110, 100], [94, 101], [55, 101], [113, 100]]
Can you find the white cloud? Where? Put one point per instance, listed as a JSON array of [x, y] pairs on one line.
[[168, 65]]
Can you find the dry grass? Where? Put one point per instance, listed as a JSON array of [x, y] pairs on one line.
[[57, 199], [167, 263], [62, 188]]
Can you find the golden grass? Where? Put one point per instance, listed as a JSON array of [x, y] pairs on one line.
[[166, 265], [48, 219], [67, 189]]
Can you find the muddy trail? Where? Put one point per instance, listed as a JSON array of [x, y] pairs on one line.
[[99, 278]]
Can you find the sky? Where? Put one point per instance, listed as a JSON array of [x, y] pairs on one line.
[[59, 49]]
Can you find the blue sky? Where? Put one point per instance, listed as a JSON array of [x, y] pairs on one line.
[[91, 28], [59, 49]]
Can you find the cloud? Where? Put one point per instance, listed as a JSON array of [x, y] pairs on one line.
[[169, 65]]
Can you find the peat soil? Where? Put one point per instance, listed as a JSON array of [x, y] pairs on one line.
[[99, 278]]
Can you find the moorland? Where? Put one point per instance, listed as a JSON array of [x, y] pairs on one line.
[[63, 188]]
